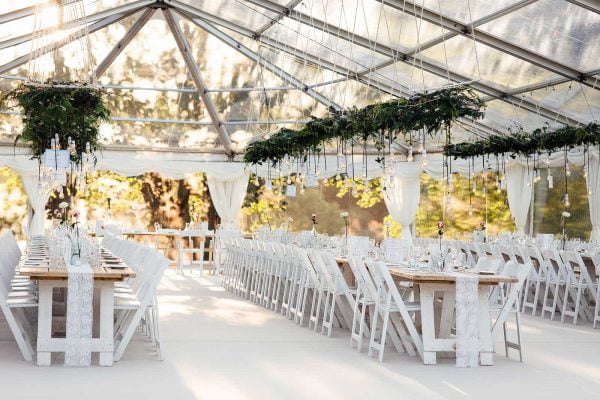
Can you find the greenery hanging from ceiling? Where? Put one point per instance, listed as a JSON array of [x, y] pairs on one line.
[[527, 143], [379, 123], [69, 109]]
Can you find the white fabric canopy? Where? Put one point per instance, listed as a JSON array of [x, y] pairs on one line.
[[402, 195], [228, 196], [593, 183], [519, 192]]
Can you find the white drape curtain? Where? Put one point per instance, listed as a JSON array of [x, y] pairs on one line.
[[519, 193], [403, 194], [37, 202], [227, 196], [593, 183]]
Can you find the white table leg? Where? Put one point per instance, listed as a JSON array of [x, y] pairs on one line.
[[486, 352], [106, 323], [428, 324], [44, 323]]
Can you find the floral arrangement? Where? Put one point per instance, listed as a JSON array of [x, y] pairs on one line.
[[345, 215], [523, 143], [440, 227], [380, 123]]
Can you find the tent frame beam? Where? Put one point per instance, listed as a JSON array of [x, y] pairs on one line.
[[103, 23], [186, 52], [252, 55], [121, 44], [135, 6]]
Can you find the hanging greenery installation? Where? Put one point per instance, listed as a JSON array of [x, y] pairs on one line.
[[66, 109], [527, 143], [378, 123]]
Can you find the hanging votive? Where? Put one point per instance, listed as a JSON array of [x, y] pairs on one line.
[[567, 202], [410, 157], [424, 162], [354, 189], [567, 170], [550, 181], [347, 183], [289, 180], [367, 187], [338, 177], [470, 210], [256, 183]]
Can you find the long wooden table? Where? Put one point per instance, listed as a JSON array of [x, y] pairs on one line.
[[173, 237], [50, 278], [436, 332]]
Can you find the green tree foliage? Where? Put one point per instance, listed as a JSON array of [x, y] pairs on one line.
[[13, 202]]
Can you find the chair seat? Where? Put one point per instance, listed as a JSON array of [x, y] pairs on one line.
[[126, 304], [21, 302]]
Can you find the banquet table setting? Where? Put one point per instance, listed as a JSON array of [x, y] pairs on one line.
[[68, 293], [432, 298]]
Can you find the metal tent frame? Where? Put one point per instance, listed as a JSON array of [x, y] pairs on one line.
[[278, 15]]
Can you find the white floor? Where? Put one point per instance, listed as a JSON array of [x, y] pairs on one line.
[[218, 346]]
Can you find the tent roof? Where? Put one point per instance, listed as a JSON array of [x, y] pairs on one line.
[[216, 74]]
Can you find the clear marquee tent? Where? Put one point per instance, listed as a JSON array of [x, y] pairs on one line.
[[191, 82]]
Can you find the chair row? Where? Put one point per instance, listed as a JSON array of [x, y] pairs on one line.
[[308, 286]]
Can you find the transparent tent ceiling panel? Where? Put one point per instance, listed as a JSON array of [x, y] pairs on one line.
[[478, 61], [324, 45], [241, 13], [381, 23], [571, 36], [466, 11]]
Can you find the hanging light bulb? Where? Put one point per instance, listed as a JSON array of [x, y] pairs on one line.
[[367, 188], [338, 177], [269, 185], [470, 210], [354, 189], [410, 157], [256, 183], [289, 180], [346, 183], [550, 181], [567, 202], [567, 170]]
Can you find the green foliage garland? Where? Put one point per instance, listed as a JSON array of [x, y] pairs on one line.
[[379, 122], [66, 108], [524, 143]]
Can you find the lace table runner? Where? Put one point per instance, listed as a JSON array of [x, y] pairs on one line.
[[467, 321], [80, 296]]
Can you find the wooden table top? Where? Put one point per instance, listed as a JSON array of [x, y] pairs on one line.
[[160, 233], [417, 276], [43, 272]]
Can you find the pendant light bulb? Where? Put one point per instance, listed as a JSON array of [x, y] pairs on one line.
[[410, 157], [354, 189]]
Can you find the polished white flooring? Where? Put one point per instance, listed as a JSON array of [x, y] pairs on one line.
[[217, 346]]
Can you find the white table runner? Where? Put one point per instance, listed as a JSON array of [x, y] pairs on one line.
[[80, 296], [467, 321]]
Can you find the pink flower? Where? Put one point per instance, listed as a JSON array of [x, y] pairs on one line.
[[440, 225]]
